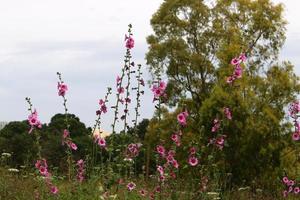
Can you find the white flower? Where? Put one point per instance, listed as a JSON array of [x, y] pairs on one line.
[[13, 170]]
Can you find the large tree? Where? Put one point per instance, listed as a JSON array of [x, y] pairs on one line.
[[193, 43]]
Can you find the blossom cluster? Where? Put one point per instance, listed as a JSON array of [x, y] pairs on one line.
[[66, 139], [42, 166], [80, 170], [291, 186], [33, 121], [238, 70], [294, 111], [159, 90], [62, 89], [193, 160], [103, 108], [133, 150]]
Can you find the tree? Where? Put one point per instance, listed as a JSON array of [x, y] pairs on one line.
[[193, 44], [14, 139]]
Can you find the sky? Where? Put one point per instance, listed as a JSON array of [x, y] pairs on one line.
[[84, 40]]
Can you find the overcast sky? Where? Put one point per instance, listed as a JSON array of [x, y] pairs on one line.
[[84, 40]]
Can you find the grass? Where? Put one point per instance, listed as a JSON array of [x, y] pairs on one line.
[[24, 186]]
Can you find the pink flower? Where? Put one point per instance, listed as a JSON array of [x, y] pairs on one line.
[[73, 146], [66, 133], [54, 190], [285, 193], [129, 42], [118, 80], [102, 142], [243, 57], [193, 161], [294, 109], [143, 192], [161, 150], [175, 138], [181, 117], [296, 190], [33, 121], [80, 170], [192, 150], [159, 91], [43, 170], [235, 61], [216, 125], [120, 90], [142, 82], [162, 85], [133, 149], [230, 79], [285, 180], [157, 189], [238, 71], [131, 186], [296, 136], [220, 142], [291, 183], [62, 89], [175, 164], [227, 113], [160, 169]]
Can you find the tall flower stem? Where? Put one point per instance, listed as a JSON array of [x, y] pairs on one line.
[[98, 125], [68, 151], [35, 132]]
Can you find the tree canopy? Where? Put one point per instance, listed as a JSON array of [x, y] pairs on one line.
[[192, 46]]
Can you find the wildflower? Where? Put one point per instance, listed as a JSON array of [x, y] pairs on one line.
[[193, 161], [143, 192], [62, 89], [133, 149], [73, 146], [238, 69], [230, 79], [181, 117], [296, 136], [296, 190], [129, 42], [80, 170], [142, 82], [66, 133], [294, 109], [216, 125], [175, 164], [220, 141], [285, 193], [103, 108], [120, 90], [291, 183], [131, 186], [118, 80], [13, 170], [227, 113], [33, 121], [176, 139], [160, 169], [192, 150], [54, 190], [159, 91], [157, 189], [285, 180], [161, 150], [102, 142]]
